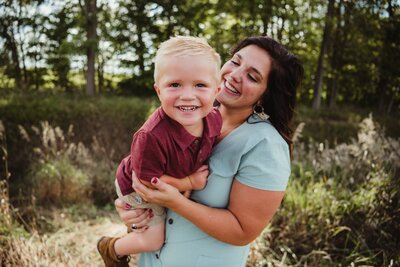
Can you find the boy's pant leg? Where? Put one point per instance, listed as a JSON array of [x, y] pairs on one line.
[[137, 202]]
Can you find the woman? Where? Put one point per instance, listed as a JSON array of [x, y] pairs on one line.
[[249, 166]]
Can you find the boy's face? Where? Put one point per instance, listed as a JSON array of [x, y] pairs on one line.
[[186, 88]]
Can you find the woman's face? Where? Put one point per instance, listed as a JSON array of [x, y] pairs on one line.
[[244, 78]]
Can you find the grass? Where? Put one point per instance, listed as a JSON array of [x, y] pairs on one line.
[[342, 205], [72, 244]]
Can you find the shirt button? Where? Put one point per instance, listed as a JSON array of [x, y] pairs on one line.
[[157, 256], [170, 221], [196, 141]]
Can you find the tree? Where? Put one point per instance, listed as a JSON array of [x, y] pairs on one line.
[[12, 20], [89, 10], [59, 49], [323, 51], [388, 83], [336, 60]]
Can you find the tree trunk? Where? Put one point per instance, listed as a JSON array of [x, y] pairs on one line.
[[336, 60], [11, 46], [91, 34], [386, 59], [390, 105], [140, 45], [21, 47], [100, 73], [267, 7], [324, 48]]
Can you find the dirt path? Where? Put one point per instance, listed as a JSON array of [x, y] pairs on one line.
[[72, 245]]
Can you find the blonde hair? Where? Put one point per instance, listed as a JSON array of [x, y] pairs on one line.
[[185, 46]]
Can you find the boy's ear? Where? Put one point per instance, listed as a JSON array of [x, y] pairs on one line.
[[157, 89]]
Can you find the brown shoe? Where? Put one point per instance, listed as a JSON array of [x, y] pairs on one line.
[[105, 246]]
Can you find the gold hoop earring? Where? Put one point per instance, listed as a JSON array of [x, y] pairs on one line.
[[259, 111]]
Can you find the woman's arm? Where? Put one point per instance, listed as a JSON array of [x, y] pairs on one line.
[[248, 212]]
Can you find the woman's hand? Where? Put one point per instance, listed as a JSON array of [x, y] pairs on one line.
[[139, 217], [164, 194]]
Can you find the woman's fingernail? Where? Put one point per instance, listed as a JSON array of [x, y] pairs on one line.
[[154, 180], [127, 206], [151, 215]]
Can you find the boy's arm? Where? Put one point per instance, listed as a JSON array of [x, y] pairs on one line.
[[182, 184], [194, 181]]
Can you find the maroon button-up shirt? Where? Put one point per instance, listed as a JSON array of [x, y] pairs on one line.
[[163, 146]]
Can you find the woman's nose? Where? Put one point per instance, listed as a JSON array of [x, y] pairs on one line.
[[236, 75]]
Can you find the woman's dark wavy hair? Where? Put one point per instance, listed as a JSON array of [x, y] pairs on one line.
[[284, 78]]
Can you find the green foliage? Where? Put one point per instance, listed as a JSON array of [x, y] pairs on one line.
[[138, 86], [41, 52], [339, 125]]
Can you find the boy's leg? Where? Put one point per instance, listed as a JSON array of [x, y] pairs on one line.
[[150, 240], [105, 246]]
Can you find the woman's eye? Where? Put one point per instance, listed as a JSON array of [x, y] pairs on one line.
[[175, 85], [251, 77], [201, 85], [234, 62]]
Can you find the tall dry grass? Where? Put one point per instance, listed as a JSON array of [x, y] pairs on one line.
[[342, 205], [66, 172], [73, 245]]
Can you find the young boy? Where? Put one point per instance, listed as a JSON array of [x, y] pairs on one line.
[[174, 142]]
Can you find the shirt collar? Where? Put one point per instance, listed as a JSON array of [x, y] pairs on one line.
[[182, 137], [254, 118]]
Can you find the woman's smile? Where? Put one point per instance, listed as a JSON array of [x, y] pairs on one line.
[[230, 88]]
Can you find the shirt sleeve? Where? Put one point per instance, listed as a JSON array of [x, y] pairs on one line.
[[148, 157], [124, 176], [266, 166]]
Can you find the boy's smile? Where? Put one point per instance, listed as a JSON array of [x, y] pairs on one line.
[[186, 88]]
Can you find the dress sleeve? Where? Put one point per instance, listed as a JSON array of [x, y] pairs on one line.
[[148, 157], [266, 166]]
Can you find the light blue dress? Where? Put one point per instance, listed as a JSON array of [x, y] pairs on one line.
[[255, 155]]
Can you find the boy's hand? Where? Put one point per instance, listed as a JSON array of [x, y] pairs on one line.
[[187, 193], [198, 179]]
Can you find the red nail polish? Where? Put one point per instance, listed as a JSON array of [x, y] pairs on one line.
[[127, 206], [151, 215], [154, 180]]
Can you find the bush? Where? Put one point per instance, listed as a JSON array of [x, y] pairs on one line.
[[102, 125], [64, 172], [58, 182], [138, 86]]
